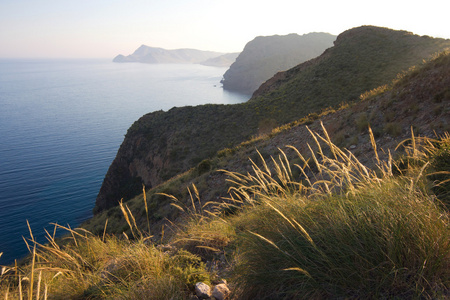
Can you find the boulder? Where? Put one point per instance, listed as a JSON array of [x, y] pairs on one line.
[[202, 290], [221, 291]]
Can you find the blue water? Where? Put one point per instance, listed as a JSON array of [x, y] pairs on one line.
[[61, 124]]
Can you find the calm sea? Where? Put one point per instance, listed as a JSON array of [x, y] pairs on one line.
[[61, 124]]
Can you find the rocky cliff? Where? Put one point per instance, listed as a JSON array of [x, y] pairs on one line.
[[266, 55], [163, 144]]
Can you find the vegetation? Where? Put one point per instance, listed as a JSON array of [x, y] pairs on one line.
[[85, 266], [350, 232], [338, 230]]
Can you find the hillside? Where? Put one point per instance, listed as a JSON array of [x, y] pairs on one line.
[[161, 145], [362, 59], [266, 55], [418, 101], [153, 55]]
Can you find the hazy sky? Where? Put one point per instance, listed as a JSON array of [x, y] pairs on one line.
[[105, 28]]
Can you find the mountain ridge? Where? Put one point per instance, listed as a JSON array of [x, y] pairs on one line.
[[161, 145]]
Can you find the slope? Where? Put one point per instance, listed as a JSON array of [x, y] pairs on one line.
[[418, 100], [161, 145]]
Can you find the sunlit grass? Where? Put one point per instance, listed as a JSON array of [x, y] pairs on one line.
[[325, 227], [85, 266], [342, 230]]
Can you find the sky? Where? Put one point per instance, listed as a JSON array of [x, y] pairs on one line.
[[106, 28]]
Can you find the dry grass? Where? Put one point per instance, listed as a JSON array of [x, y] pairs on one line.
[[340, 230], [84, 266]]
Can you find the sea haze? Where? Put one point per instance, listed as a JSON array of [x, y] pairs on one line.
[[61, 124]]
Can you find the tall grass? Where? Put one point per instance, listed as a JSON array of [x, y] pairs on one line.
[[326, 227], [84, 266], [342, 231]]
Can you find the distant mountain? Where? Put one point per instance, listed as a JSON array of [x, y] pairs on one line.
[[266, 55], [221, 61], [152, 55]]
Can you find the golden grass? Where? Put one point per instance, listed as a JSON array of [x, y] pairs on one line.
[[272, 224]]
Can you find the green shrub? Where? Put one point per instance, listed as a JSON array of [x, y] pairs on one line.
[[393, 128], [362, 123], [204, 166]]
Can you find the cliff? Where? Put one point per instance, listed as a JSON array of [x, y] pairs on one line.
[[161, 145], [266, 55], [153, 55]]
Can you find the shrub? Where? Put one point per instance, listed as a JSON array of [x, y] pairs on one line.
[[362, 122], [393, 128], [204, 166]]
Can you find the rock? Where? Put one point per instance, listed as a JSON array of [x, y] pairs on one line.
[[166, 248], [110, 268], [202, 290], [221, 291]]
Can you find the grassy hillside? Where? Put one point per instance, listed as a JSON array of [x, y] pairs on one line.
[[340, 230], [418, 100], [362, 59], [346, 202], [162, 145]]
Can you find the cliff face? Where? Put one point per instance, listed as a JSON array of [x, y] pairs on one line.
[[266, 55], [163, 144], [153, 55]]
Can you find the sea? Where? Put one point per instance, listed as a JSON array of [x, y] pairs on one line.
[[61, 124]]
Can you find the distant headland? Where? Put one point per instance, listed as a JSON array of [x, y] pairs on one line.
[[154, 55]]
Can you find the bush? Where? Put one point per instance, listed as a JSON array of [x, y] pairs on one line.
[[394, 129], [362, 123], [204, 166]]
